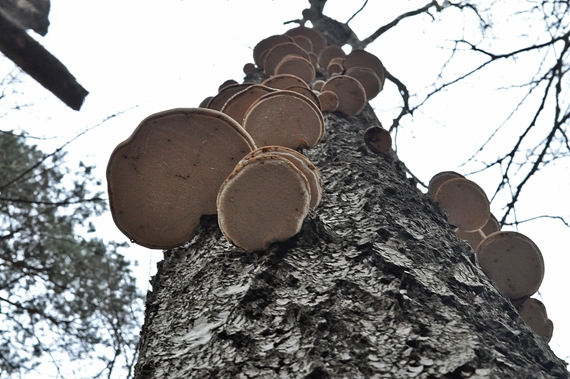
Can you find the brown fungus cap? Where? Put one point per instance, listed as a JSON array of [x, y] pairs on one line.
[[317, 39], [264, 200], [317, 85], [362, 58], [301, 162], [328, 101], [328, 53], [249, 68], [438, 179], [285, 118], [218, 101], [351, 94], [513, 262], [284, 81], [491, 226], [266, 44], [304, 42], [310, 94], [278, 52], [465, 202], [335, 66], [238, 104], [369, 80], [166, 175], [472, 238], [378, 140], [533, 312], [295, 65]]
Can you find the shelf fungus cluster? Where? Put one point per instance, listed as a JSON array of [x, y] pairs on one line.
[[236, 155], [508, 258]]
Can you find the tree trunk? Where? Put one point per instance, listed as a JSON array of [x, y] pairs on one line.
[[376, 285]]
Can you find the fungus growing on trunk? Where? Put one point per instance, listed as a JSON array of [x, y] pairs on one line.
[[465, 202], [264, 200], [533, 312], [351, 94], [301, 162], [513, 262], [378, 139], [167, 174], [285, 118]]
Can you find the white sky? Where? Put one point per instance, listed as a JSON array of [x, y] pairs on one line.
[[157, 55]]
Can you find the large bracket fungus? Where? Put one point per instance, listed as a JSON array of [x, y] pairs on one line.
[[167, 174]]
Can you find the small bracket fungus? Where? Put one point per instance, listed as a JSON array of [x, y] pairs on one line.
[[224, 95], [513, 262], [239, 103], [285, 118], [304, 42], [362, 58], [167, 174], [438, 179], [310, 94], [301, 162], [335, 66], [472, 238], [466, 204], [278, 52], [328, 53], [298, 66], [351, 94], [491, 226], [266, 44], [378, 140], [317, 85], [264, 200], [533, 312], [284, 81], [318, 41], [328, 101], [369, 80]]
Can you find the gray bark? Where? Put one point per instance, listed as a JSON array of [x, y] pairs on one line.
[[376, 285]]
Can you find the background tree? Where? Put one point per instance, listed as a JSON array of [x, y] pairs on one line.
[[375, 285], [65, 298]]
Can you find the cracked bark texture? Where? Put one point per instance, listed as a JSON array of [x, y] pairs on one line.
[[376, 285]]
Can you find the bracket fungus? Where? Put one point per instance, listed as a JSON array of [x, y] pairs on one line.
[[285, 118], [284, 81], [351, 94], [378, 139], [167, 174], [513, 262], [318, 41], [264, 200], [266, 44], [278, 52], [438, 179], [301, 162], [237, 105], [533, 312], [466, 203]]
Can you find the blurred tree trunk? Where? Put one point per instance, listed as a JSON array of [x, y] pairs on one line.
[[376, 284]]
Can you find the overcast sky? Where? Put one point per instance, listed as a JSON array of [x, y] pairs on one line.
[[143, 57]]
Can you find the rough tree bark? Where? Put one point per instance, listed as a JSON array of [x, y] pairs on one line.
[[376, 285]]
